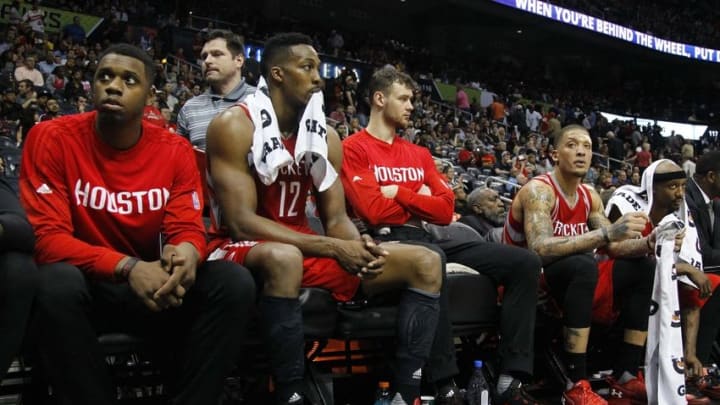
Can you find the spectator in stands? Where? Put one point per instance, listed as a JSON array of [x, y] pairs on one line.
[[542, 219], [47, 65], [485, 213], [466, 157], [688, 166], [223, 57], [10, 109], [461, 98], [79, 105], [497, 110], [74, 31], [14, 16], [30, 72], [635, 178], [339, 114], [394, 206], [644, 157], [687, 150], [553, 126], [268, 232], [75, 88], [99, 251], [35, 17], [18, 273], [52, 109], [616, 151], [56, 81], [621, 178], [349, 91]]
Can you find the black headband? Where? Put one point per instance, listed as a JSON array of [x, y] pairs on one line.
[[661, 177]]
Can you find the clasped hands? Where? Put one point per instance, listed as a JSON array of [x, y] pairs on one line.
[[163, 283]]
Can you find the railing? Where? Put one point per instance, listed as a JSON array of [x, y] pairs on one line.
[[172, 59], [216, 23], [458, 112], [608, 158]]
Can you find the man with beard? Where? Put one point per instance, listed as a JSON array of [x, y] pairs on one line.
[[392, 186], [562, 220], [486, 214], [222, 60]]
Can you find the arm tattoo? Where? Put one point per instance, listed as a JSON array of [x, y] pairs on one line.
[[629, 248], [538, 202]]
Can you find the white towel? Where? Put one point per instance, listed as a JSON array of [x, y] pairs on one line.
[[665, 370], [268, 154], [312, 143]]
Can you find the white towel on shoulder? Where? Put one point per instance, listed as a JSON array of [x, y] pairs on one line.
[[312, 143], [268, 154]]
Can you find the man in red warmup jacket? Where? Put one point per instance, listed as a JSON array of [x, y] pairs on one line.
[[116, 208], [394, 186]]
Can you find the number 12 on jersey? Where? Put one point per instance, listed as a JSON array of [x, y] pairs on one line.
[[289, 193]]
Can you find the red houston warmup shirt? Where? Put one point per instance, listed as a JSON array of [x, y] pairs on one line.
[[91, 204], [567, 221], [369, 163]]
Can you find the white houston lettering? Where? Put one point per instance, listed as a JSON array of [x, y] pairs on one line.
[[399, 174], [563, 229], [123, 202]]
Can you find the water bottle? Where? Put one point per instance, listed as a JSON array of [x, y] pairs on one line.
[[478, 391], [383, 394]]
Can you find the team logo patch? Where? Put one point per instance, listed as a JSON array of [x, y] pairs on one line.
[[675, 322], [43, 189], [678, 365]]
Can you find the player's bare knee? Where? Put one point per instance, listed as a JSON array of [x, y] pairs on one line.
[[427, 270], [282, 270]]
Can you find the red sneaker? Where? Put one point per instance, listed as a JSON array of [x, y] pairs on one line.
[[708, 385], [632, 390], [582, 394], [694, 396]]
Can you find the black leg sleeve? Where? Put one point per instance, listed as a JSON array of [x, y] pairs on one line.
[[281, 321], [416, 324]]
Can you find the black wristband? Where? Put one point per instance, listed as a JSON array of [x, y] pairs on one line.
[[127, 267], [605, 235]]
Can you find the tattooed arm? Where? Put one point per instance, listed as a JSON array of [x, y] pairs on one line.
[[537, 200]]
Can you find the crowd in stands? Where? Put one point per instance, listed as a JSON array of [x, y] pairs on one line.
[[485, 152]]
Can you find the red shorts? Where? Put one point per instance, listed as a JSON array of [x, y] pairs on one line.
[[320, 272], [603, 309], [690, 296]]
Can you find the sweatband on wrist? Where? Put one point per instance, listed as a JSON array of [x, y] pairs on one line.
[[127, 267]]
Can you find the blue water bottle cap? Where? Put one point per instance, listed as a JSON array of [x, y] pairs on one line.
[[478, 363]]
